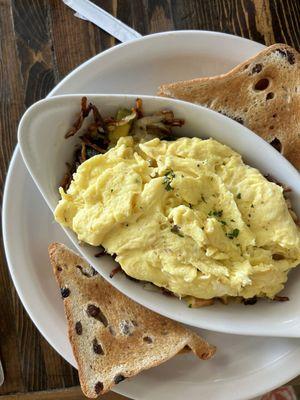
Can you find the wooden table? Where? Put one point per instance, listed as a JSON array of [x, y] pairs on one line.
[[41, 42]]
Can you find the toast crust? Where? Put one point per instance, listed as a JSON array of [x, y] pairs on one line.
[[113, 337], [262, 93]]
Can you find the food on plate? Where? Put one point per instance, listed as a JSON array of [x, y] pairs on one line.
[[112, 337], [187, 215], [262, 93], [103, 133]]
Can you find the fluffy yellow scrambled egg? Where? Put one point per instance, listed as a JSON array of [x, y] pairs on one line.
[[187, 215]]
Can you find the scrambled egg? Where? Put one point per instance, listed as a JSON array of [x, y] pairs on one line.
[[187, 215]]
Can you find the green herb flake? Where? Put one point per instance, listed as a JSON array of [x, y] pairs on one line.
[[202, 198], [232, 220], [169, 176], [111, 190], [223, 222], [176, 229], [217, 214], [190, 306], [239, 196], [233, 234], [252, 206]]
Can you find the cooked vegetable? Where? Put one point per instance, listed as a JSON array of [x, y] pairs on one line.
[[103, 133]]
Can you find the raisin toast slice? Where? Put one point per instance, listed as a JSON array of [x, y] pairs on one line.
[[262, 93], [113, 337]]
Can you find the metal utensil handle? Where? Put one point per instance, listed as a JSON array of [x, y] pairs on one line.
[[90, 11], [1, 374]]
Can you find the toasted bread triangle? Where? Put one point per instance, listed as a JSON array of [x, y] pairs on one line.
[[263, 93], [113, 337]]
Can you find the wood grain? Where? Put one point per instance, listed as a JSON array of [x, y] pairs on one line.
[[31, 23], [41, 42], [11, 107], [73, 393], [75, 40]]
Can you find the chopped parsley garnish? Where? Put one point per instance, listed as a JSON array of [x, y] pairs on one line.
[[216, 214], [233, 234], [190, 306], [239, 196], [169, 176], [232, 220], [252, 206], [223, 222], [176, 229]]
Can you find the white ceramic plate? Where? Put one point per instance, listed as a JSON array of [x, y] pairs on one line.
[[45, 151], [244, 367]]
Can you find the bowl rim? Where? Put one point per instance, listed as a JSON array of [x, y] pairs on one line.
[[291, 170]]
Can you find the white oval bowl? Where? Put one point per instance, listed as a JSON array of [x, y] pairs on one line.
[[45, 152]]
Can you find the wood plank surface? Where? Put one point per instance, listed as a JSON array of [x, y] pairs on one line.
[[40, 42], [72, 393], [11, 107]]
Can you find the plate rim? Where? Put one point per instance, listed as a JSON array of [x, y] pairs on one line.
[[16, 154], [146, 38], [200, 319]]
